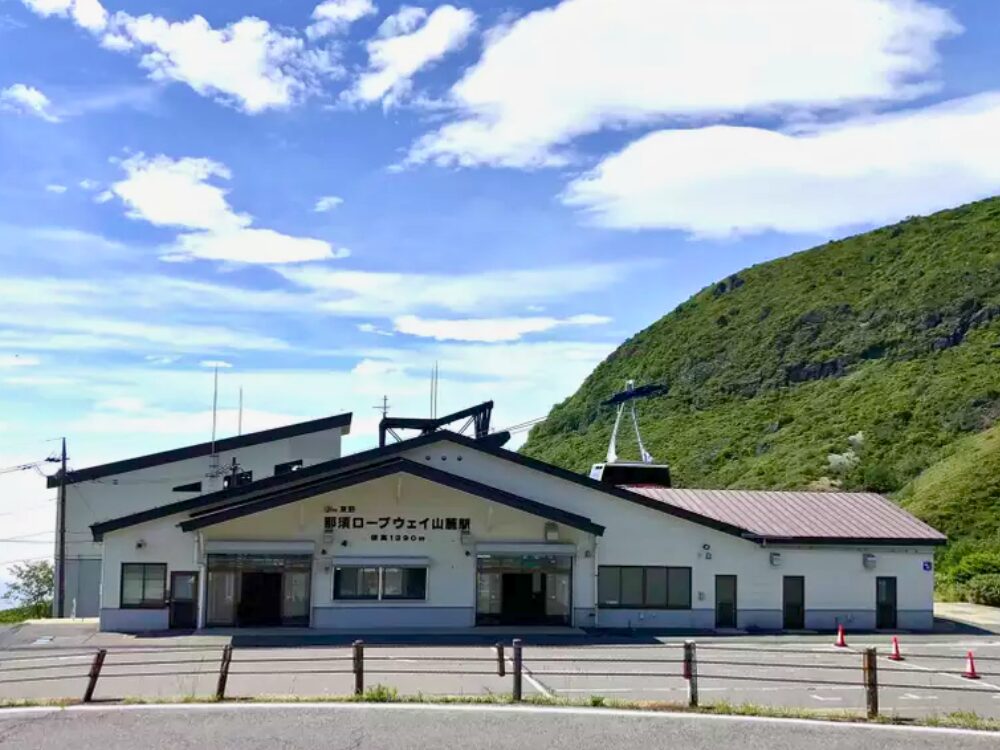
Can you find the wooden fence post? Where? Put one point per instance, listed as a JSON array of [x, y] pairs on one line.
[[870, 670], [501, 666], [227, 658], [517, 670], [95, 672], [359, 668], [691, 672]]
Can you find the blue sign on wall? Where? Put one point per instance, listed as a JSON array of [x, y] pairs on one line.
[[928, 565]]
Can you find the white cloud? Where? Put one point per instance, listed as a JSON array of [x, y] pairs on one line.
[[17, 360], [88, 14], [55, 188], [394, 60], [488, 329], [121, 403], [104, 196], [327, 203], [161, 359], [585, 65], [88, 184], [252, 246], [372, 328], [723, 180], [213, 363], [373, 293], [177, 193], [247, 63], [404, 21], [26, 100], [334, 16]]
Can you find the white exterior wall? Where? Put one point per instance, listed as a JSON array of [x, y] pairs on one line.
[[93, 501], [838, 589]]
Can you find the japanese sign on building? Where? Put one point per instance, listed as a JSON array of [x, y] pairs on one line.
[[391, 528]]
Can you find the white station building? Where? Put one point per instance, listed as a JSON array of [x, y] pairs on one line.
[[449, 531]]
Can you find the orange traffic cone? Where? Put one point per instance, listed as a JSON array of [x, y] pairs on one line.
[[970, 668], [895, 655], [840, 642]]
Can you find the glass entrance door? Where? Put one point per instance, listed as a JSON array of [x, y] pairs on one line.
[[523, 589]]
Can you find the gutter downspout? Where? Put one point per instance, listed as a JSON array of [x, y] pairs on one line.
[[596, 571]]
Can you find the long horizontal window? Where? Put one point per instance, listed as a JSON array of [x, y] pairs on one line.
[[638, 587], [379, 583], [144, 585]]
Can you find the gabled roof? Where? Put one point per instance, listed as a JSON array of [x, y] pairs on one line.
[[246, 492], [350, 477], [205, 449], [803, 517], [706, 513]]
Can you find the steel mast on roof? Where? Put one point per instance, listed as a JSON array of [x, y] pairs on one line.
[[645, 470]]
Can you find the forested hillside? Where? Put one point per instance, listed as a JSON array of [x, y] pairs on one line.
[[865, 363]]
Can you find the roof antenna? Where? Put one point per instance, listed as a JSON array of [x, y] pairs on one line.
[[434, 391], [213, 464]]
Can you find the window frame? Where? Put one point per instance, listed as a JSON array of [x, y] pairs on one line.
[[381, 595], [145, 603], [644, 568]]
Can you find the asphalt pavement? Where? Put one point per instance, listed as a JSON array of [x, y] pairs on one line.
[[44, 662], [375, 727]]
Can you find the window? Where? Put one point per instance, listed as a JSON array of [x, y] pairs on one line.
[[636, 587], [379, 583], [404, 583], [288, 467], [144, 585]]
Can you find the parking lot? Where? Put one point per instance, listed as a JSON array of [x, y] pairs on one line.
[[786, 671]]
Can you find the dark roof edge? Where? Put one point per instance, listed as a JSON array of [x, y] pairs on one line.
[[388, 468], [261, 486], [204, 449], [849, 541]]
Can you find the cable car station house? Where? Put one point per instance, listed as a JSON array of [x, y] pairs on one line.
[[445, 530]]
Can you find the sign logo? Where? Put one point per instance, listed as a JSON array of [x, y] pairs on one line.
[[928, 565]]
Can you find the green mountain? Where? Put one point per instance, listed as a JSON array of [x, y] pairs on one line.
[[863, 363]]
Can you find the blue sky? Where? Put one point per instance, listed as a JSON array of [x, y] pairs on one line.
[[328, 197]]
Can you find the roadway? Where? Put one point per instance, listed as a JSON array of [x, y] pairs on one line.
[[416, 727], [779, 671]]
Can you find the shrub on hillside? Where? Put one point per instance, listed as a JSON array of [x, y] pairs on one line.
[[975, 564], [984, 589]]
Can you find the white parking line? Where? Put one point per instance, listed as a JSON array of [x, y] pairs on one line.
[[914, 697], [825, 698]]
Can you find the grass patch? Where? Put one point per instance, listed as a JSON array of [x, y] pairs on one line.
[[15, 615]]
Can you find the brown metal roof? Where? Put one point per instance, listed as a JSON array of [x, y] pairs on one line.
[[821, 517]]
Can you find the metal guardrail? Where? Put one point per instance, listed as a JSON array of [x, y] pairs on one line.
[[353, 660]]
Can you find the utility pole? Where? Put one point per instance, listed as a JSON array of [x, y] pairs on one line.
[[61, 609]]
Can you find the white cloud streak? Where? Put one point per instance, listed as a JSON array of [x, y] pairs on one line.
[[177, 193], [373, 293], [586, 65], [725, 180], [488, 329], [335, 16], [408, 42], [327, 203], [27, 100], [248, 63]]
